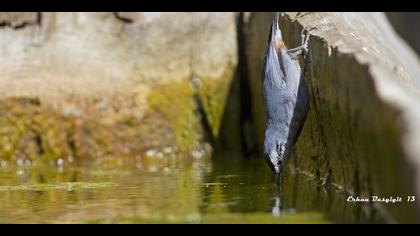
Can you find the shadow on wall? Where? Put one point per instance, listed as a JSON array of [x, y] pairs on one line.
[[237, 132]]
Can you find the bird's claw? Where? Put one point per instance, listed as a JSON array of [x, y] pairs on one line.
[[305, 35]]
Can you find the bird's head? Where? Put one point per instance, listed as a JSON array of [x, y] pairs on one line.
[[275, 152]]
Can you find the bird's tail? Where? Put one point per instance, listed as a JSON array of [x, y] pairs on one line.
[[275, 35], [276, 18], [274, 26]]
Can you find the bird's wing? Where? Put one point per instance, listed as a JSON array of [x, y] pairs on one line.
[[274, 69], [299, 114], [280, 101]]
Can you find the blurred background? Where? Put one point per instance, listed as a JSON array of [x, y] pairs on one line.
[[404, 23]]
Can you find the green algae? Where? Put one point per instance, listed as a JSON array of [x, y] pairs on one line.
[[214, 94], [92, 128], [44, 134], [175, 101], [30, 131]]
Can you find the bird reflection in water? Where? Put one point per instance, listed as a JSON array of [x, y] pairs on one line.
[[278, 209]]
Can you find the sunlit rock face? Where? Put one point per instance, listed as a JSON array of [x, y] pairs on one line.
[[90, 85], [362, 131]]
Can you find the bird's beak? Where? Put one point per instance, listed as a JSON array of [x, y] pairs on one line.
[[278, 177]]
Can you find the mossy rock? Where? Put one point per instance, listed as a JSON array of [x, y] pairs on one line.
[[112, 126], [136, 98]]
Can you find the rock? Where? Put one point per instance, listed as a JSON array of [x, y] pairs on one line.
[[362, 133], [108, 84]]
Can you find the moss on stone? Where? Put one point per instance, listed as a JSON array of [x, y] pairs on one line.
[[214, 94], [175, 101], [114, 125], [43, 133]]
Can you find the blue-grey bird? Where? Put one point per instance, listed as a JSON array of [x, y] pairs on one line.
[[286, 97]]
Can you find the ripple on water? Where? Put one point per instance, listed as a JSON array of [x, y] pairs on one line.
[[201, 191]]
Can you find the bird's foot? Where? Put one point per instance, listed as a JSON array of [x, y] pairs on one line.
[[303, 48]]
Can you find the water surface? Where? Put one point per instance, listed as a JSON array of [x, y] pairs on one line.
[[201, 190]]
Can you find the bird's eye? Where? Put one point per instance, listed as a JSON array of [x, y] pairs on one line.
[[279, 148]]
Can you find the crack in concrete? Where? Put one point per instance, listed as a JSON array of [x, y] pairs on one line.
[[123, 18], [16, 25]]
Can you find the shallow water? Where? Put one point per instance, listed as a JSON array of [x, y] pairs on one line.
[[217, 190]]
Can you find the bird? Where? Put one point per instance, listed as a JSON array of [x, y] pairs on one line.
[[285, 95]]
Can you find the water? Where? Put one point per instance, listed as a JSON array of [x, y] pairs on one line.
[[217, 190]]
